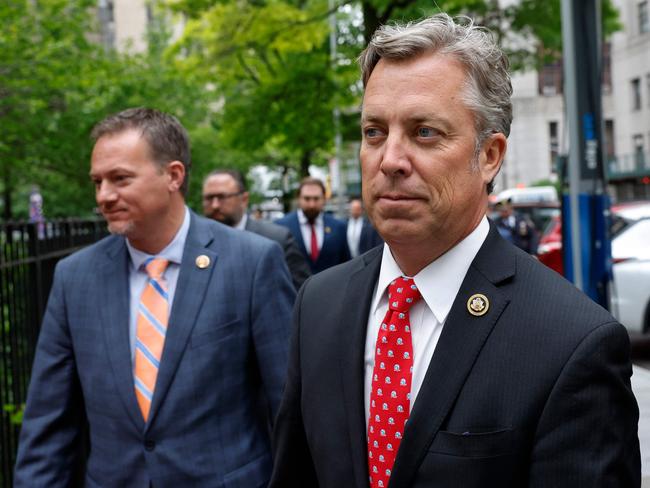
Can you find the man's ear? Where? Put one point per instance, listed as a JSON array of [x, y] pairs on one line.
[[491, 156], [176, 174]]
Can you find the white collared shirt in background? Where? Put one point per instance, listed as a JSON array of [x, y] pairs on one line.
[[438, 283], [354, 235]]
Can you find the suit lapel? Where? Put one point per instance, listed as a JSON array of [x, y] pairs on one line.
[[190, 292], [360, 289], [114, 315], [460, 343], [294, 224]]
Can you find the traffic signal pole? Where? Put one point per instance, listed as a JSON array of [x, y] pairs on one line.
[[585, 208]]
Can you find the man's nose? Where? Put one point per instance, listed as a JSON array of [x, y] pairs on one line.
[[105, 193], [395, 158]]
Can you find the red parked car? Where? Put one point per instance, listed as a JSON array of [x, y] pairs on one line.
[[549, 250]]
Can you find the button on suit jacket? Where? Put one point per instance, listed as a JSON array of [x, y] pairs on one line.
[[534, 393], [226, 342]]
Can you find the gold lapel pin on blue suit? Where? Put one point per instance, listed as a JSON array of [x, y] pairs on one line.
[[202, 261], [478, 304], [328, 230]]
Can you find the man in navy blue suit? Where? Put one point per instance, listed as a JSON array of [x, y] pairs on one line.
[[321, 237], [195, 420]]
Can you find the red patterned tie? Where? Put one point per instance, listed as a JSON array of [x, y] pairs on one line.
[[390, 397], [314, 243]]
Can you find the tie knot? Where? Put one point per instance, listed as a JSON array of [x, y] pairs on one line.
[[403, 294], [155, 267]]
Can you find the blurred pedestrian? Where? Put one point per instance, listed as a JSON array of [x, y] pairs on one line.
[[225, 199], [321, 238], [448, 357], [362, 236], [517, 229], [161, 337]]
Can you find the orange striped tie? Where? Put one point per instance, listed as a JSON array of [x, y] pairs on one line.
[[151, 328]]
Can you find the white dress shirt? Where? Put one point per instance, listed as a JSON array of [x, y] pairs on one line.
[[138, 276], [305, 230], [354, 235], [438, 283]]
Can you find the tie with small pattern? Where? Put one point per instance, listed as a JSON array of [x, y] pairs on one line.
[[151, 328], [314, 243], [390, 397]]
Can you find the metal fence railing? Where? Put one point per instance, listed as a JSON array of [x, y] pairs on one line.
[[28, 255]]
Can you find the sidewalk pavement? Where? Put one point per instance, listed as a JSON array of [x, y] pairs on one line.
[[641, 388]]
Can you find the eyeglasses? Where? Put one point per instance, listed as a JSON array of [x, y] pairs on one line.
[[220, 197]]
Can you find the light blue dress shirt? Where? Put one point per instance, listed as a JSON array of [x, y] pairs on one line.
[[138, 276]]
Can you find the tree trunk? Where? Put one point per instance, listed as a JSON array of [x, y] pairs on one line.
[[370, 20], [305, 161]]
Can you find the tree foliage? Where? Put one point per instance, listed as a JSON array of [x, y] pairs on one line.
[[278, 81], [56, 82], [254, 81]]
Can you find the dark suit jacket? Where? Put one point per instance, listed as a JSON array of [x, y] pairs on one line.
[[335, 241], [535, 393], [296, 261], [227, 339]]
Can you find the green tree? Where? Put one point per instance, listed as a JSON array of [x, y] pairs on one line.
[[277, 81], [57, 81]]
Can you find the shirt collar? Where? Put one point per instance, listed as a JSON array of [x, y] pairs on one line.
[[440, 280], [174, 250], [303, 220]]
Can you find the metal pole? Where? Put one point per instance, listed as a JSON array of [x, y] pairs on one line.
[[571, 105]]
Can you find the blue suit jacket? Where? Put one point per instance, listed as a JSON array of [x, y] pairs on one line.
[[226, 344], [335, 241]]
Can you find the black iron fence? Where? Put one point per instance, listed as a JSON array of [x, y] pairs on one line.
[[28, 255]]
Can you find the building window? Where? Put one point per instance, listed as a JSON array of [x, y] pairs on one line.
[[550, 79], [636, 94], [644, 17], [610, 149], [637, 143]]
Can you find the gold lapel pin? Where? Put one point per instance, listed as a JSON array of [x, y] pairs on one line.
[[478, 304], [328, 230], [202, 261]]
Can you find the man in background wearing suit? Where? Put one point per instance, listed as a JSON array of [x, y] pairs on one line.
[[225, 199], [162, 336], [362, 236], [321, 237], [449, 358]]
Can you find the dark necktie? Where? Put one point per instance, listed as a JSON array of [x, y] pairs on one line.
[[390, 397], [314, 243]]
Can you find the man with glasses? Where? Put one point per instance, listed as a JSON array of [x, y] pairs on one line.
[[225, 199]]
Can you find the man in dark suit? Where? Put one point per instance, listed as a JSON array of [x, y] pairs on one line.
[[321, 237], [449, 358], [362, 236], [225, 199], [517, 229], [161, 337]]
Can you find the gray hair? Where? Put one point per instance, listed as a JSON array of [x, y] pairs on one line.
[[167, 138], [488, 88]]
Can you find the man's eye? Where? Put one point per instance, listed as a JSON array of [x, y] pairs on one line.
[[426, 132], [372, 132]]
